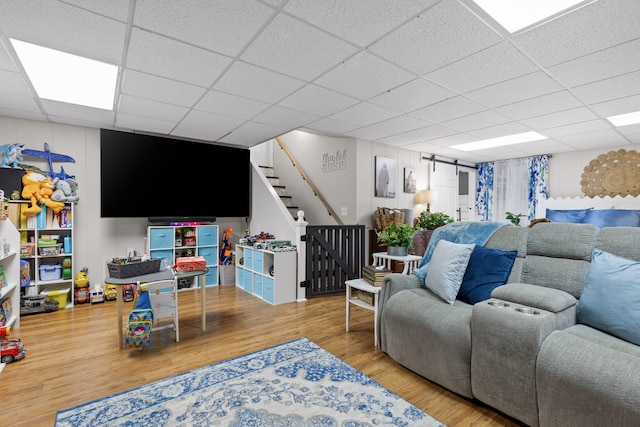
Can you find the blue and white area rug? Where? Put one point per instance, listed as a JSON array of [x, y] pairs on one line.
[[293, 384]]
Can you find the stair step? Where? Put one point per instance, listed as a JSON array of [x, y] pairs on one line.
[[267, 170]]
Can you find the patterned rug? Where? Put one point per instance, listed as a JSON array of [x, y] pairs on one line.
[[293, 384]]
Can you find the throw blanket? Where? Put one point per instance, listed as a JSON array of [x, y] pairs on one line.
[[478, 232]]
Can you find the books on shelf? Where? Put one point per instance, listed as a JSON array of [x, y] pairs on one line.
[[373, 275]]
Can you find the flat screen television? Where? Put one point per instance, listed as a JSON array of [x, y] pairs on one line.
[[166, 179]]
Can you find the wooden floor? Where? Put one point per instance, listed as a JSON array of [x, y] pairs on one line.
[[73, 355]]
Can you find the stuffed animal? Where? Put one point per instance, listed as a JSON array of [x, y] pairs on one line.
[[10, 155], [38, 189], [65, 190]]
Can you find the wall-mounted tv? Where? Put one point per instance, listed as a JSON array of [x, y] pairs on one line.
[[144, 176]]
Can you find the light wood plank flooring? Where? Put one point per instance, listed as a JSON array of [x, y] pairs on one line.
[[73, 356]]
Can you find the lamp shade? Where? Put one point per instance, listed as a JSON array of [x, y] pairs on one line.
[[426, 196]]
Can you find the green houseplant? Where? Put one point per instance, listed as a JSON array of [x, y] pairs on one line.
[[432, 220], [398, 237], [514, 218]]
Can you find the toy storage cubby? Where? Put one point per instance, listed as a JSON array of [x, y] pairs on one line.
[[173, 241], [266, 274], [46, 252], [10, 276]]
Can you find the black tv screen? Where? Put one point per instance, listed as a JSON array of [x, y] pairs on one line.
[[144, 176]]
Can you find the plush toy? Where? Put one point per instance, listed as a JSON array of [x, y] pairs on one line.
[[65, 190], [38, 189], [10, 155]]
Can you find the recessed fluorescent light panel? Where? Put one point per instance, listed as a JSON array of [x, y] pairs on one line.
[[625, 119], [515, 15], [63, 77], [499, 142]]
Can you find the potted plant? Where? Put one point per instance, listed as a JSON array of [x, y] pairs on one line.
[[397, 237], [514, 218], [432, 220]]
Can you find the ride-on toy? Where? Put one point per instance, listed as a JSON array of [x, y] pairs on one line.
[[11, 349]]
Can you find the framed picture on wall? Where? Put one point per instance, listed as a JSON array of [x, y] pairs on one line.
[[385, 179], [409, 181]]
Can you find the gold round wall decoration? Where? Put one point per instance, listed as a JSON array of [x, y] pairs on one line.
[[612, 174]]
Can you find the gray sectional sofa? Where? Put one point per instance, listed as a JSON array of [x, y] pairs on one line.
[[531, 350]]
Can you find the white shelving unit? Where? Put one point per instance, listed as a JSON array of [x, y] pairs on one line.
[[36, 228], [266, 274], [10, 294], [170, 242]]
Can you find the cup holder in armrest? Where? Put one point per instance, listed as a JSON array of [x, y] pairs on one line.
[[498, 304], [527, 311]]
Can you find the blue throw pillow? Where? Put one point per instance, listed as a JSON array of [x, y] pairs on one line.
[[610, 298], [488, 268], [613, 218], [567, 215]]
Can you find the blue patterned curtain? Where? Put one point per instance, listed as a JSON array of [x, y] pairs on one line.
[[535, 186]]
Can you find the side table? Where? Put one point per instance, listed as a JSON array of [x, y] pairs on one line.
[[363, 285], [411, 262]]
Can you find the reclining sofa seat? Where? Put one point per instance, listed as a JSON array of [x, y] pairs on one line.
[[489, 352]]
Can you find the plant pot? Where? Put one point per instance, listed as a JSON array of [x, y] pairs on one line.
[[397, 250]]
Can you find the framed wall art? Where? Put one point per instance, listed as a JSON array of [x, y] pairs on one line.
[[409, 180], [385, 178]]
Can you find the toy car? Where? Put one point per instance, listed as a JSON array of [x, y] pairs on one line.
[[11, 349], [111, 292]]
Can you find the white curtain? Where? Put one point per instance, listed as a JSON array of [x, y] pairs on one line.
[[511, 187]]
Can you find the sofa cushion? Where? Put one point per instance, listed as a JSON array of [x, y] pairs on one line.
[[446, 269], [613, 218], [488, 268], [610, 299], [567, 215]]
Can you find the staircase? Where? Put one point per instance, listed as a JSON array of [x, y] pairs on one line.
[[280, 190]]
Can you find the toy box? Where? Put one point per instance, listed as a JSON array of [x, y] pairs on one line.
[[60, 295], [26, 249], [50, 249], [133, 268], [50, 272], [190, 263]]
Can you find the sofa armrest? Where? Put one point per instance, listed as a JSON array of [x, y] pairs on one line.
[[549, 299], [391, 285]]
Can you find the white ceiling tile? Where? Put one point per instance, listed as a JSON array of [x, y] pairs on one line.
[[367, 134], [356, 21], [448, 109], [333, 126], [146, 124], [224, 26], [116, 9], [427, 133], [29, 115], [225, 104], [19, 102], [284, 117], [400, 124], [599, 25], [630, 131], [604, 64], [63, 109], [605, 90], [57, 25], [205, 126], [160, 89], [560, 118], [628, 104], [12, 83], [443, 34], [599, 139], [252, 82], [479, 120], [250, 132], [296, 49], [161, 56], [364, 76], [363, 114], [492, 65], [500, 130], [576, 128], [6, 63], [325, 101], [518, 89], [134, 106], [541, 105], [411, 96]]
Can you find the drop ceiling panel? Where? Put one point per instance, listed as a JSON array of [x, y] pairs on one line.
[[561, 118], [249, 132], [412, 96], [284, 117], [11, 82], [541, 105], [128, 121], [225, 104], [363, 114], [332, 126], [618, 106], [324, 101], [515, 90], [160, 89], [138, 107], [449, 109], [605, 90]]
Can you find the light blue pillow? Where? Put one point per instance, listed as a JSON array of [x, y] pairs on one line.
[[446, 269], [610, 298], [613, 218], [567, 215]]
